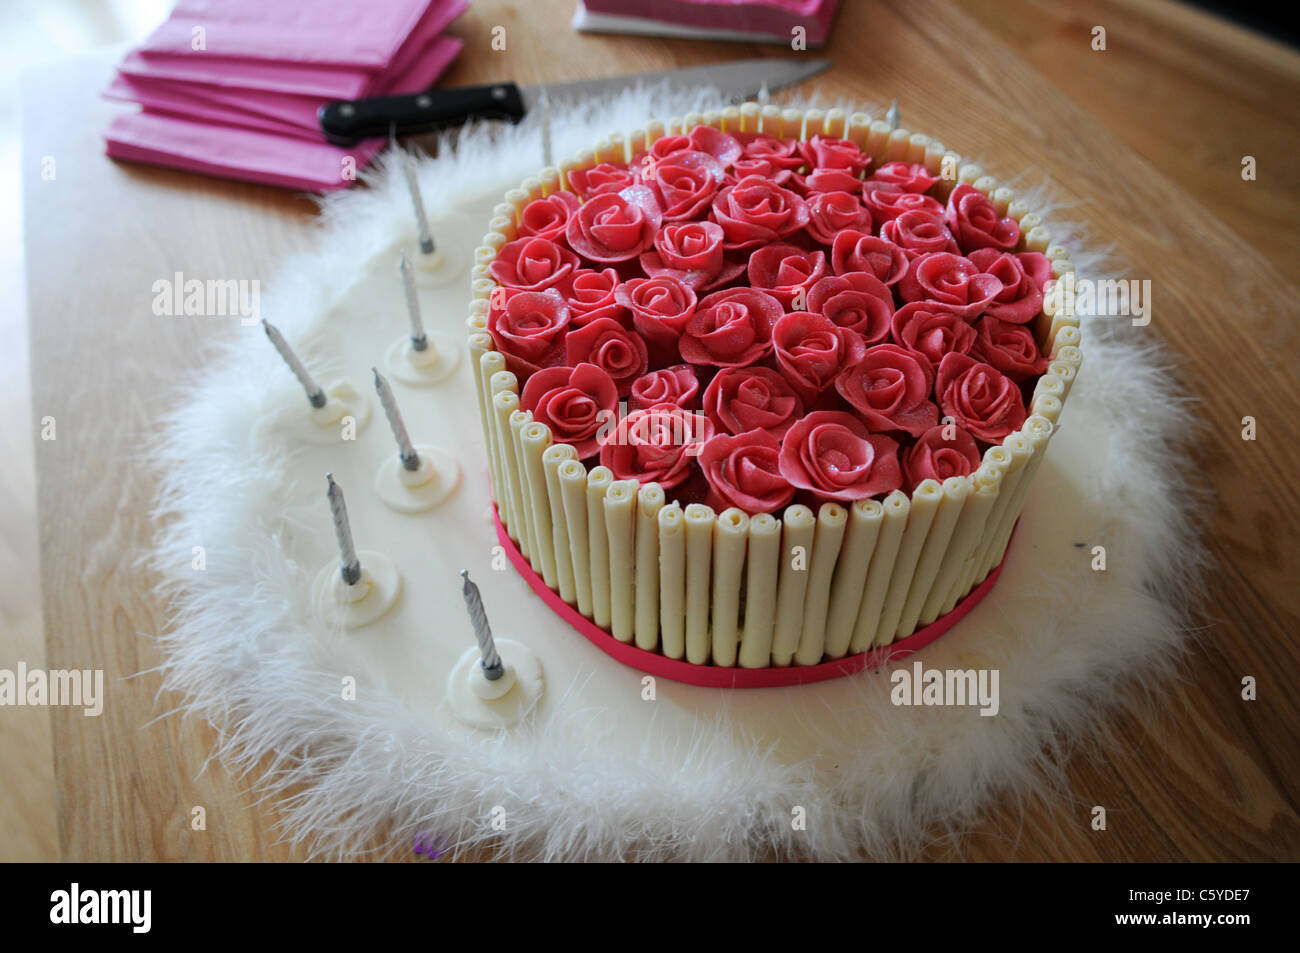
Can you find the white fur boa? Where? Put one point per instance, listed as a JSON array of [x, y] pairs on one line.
[[703, 784]]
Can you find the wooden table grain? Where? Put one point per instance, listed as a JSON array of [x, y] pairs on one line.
[[1146, 137]]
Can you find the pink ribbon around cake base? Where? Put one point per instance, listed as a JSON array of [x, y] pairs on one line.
[[716, 676]]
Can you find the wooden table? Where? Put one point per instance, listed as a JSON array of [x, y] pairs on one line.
[[1198, 774]]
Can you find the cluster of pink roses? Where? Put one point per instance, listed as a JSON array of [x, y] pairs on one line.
[[777, 319]]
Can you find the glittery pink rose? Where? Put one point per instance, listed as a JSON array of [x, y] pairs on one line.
[[931, 331], [859, 251], [574, 402], [655, 445], [668, 385], [1023, 277], [752, 398], [529, 329], [755, 212], [919, 233], [786, 271], [730, 328], [975, 223], [889, 387], [832, 454], [856, 301], [830, 213], [546, 218], [949, 281], [744, 470], [935, 457], [534, 264], [1010, 348], [610, 346], [979, 397], [616, 226]]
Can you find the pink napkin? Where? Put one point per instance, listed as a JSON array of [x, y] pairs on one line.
[[333, 32], [302, 79]]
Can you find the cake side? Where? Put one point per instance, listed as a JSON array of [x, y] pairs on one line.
[[730, 588]]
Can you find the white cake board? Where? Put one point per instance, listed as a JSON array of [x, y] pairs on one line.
[[598, 771]]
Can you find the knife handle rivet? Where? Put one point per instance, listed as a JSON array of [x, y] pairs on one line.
[[346, 110], [498, 92], [424, 102]]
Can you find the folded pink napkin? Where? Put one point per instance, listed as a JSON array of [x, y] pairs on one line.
[[333, 32]]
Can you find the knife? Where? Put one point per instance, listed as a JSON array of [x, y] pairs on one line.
[[344, 123]]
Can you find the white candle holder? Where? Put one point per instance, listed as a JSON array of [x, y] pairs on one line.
[[357, 605], [479, 703], [424, 368], [414, 491], [325, 426]]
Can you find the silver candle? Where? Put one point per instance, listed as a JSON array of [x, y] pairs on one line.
[[419, 340], [891, 117], [544, 109], [314, 392], [493, 668], [406, 450], [421, 220], [349, 565]]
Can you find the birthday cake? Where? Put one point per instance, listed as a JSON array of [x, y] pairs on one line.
[[765, 388]]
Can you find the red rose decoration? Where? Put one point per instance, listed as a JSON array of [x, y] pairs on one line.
[[533, 264], [655, 445], [1021, 297], [660, 307], [744, 471], [979, 397], [974, 222], [687, 182], [954, 283], [832, 454], [905, 176], [615, 227], [591, 296], [574, 402], [812, 350], [529, 329], [721, 146], [830, 213], [919, 233], [785, 270], [763, 168], [546, 218], [857, 302], [669, 385], [779, 153], [1010, 348], [859, 251], [927, 330], [934, 458], [755, 212], [889, 201], [600, 179], [752, 398], [823, 152], [825, 180], [890, 387], [691, 252], [610, 346], [730, 328]]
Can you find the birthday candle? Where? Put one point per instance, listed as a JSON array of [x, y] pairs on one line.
[[421, 220], [350, 566], [493, 668], [410, 459], [314, 392], [419, 340]]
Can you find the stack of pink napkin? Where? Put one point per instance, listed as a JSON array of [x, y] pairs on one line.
[[231, 87], [749, 21]]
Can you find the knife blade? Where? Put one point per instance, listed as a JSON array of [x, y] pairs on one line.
[[344, 123]]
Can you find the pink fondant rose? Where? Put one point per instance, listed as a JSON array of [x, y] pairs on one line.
[[600, 179], [784, 271], [692, 253], [953, 283], [615, 226], [721, 146], [529, 329], [830, 213], [591, 296], [856, 301], [825, 180], [687, 182], [1023, 277], [939, 453], [890, 387], [927, 330], [812, 349], [755, 212], [853, 250], [574, 402], [546, 218], [975, 223], [889, 201], [534, 264], [660, 306], [832, 454], [781, 153], [611, 347], [655, 445], [823, 152], [730, 328], [919, 233], [752, 398], [906, 176], [1010, 348], [668, 385], [744, 471], [979, 397]]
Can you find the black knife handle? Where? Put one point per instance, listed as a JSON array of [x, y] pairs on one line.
[[344, 123]]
